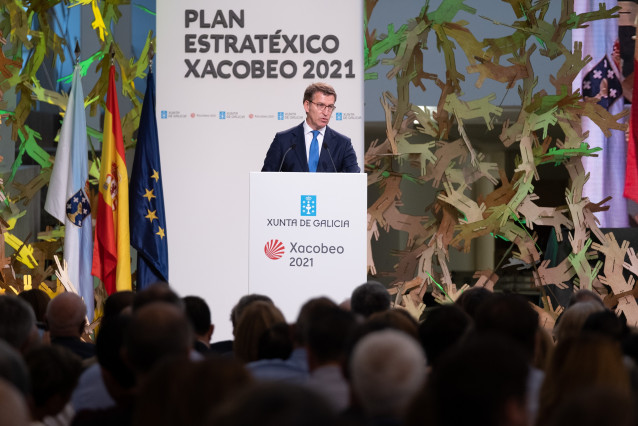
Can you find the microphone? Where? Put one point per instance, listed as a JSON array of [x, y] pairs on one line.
[[325, 146], [293, 146]]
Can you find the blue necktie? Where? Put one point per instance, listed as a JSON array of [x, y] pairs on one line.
[[313, 158]]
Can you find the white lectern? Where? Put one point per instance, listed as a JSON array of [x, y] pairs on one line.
[[307, 236]]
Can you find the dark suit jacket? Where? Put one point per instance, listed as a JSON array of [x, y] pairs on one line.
[[296, 160]]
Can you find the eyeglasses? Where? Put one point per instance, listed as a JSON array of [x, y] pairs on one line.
[[322, 107]]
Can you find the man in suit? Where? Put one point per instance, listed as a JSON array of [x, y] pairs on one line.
[[312, 146]]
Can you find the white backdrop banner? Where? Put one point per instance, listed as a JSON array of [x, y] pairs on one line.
[[230, 74]]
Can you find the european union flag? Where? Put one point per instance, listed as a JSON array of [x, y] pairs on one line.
[[146, 198]]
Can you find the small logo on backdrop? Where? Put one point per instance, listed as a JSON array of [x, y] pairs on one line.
[[274, 249], [222, 115], [77, 208], [280, 116], [251, 116], [602, 83], [192, 115], [339, 116], [164, 114], [309, 205]]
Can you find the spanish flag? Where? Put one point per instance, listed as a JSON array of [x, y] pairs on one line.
[[111, 247]]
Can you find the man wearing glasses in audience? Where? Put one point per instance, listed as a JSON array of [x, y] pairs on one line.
[[312, 146]]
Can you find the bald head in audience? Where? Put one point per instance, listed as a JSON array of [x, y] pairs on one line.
[[66, 315]]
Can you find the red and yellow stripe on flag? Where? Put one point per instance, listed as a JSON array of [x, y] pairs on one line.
[[111, 248]]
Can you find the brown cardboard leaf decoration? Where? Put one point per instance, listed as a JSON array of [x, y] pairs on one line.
[[547, 315], [559, 275], [391, 194], [486, 279], [373, 231]]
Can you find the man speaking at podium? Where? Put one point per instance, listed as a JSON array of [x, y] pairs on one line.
[[312, 146]]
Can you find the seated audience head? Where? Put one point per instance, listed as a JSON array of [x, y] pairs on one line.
[[38, 300], [387, 369], [116, 303], [470, 300], [157, 331], [487, 374], [512, 316], [583, 361], [368, 298], [54, 372], [12, 406], [275, 404], [243, 302], [328, 330], [66, 315], [179, 391], [276, 342], [17, 323], [118, 377], [398, 319], [255, 320], [158, 292], [301, 326], [570, 323], [595, 406], [585, 295], [13, 369], [441, 330], [198, 313], [608, 324]]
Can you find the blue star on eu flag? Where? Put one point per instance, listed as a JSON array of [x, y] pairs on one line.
[[77, 208]]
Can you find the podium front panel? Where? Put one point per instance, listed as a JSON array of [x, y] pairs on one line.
[[307, 236]]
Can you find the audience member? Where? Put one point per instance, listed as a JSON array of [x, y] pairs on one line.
[[512, 316], [595, 406], [570, 323], [580, 362], [479, 382], [396, 318], [54, 371], [91, 392], [39, 301], [157, 331], [179, 391], [584, 295], [66, 320], [388, 368], [13, 369], [255, 320], [441, 330], [608, 324], [117, 302], [225, 347], [275, 404], [157, 292], [198, 313], [116, 408], [470, 300], [368, 298], [295, 368], [17, 323], [275, 343], [328, 331], [13, 408]]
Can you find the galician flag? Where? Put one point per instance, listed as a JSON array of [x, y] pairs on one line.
[[600, 80], [148, 218], [67, 198], [111, 249]]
